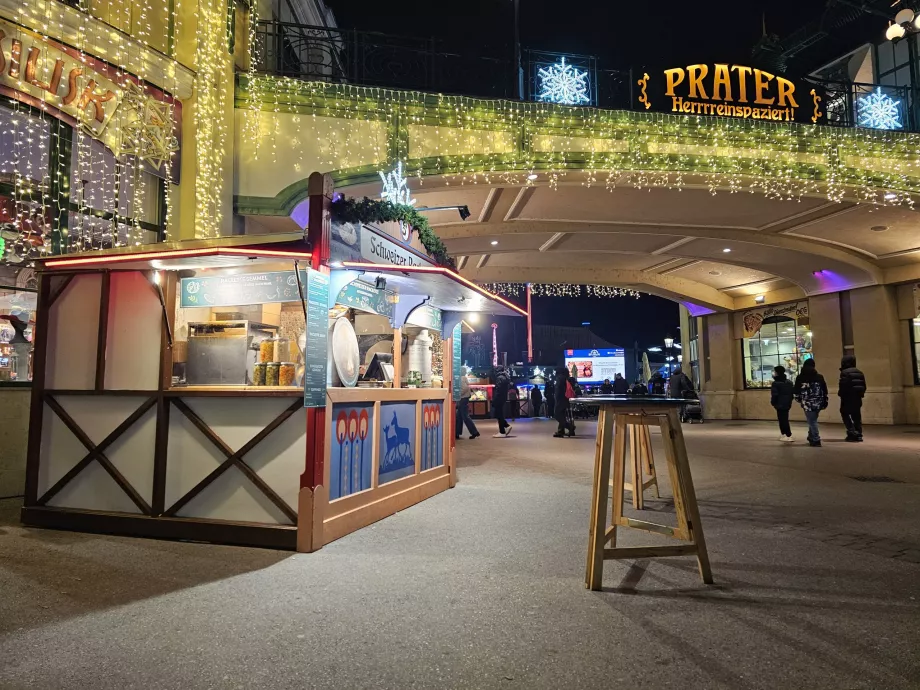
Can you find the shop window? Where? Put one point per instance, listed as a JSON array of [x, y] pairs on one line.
[[915, 347], [781, 341], [17, 319]]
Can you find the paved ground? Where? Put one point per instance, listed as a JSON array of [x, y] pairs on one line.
[[818, 585]]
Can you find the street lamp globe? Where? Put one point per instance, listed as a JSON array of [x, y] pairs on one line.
[[669, 341], [905, 16], [894, 32]]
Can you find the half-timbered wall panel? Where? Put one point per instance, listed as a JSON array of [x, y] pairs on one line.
[[132, 358], [73, 331]]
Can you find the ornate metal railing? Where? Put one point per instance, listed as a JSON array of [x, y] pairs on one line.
[[873, 106], [367, 58]]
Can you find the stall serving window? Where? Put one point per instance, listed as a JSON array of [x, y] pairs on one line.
[[780, 341]]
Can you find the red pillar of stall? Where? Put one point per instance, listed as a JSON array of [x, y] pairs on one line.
[[310, 505]]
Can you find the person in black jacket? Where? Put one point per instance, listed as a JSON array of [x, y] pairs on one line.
[[620, 385], [499, 398], [563, 409], [851, 391], [606, 387], [536, 401], [781, 396]]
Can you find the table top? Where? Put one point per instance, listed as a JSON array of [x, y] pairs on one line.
[[638, 400]]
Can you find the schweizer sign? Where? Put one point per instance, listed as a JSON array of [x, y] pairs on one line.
[[724, 90]]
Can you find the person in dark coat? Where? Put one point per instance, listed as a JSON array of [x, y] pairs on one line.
[[536, 401], [550, 395], [781, 396], [679, 384], [620, 385], [851, 391], [606, 387], [656, 384], [639, 388], [563, 407], [499, 398], [811, 391]]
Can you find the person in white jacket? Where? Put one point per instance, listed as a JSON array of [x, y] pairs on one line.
[[463, 408]]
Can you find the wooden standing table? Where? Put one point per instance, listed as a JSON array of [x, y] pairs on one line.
[[616, 415]]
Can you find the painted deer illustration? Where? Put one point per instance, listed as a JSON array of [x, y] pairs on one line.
[[392, 446], [402, 436]]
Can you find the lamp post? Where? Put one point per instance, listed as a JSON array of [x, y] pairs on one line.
[[518, 69], [668, 344]]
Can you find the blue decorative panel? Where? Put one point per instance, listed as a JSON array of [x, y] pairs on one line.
[[352, 449], [397, 441], [432, 434]]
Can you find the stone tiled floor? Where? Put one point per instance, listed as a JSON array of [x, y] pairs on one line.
[[817, 584]]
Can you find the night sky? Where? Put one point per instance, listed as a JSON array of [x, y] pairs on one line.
[[621, 34]]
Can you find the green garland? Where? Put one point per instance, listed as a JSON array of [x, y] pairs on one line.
[[375, 211]]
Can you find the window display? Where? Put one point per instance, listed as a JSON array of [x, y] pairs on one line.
[[17, 318], [780, 341]]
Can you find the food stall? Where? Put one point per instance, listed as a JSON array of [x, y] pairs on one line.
[[280, 394]]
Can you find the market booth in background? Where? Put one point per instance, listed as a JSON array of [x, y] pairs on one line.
[[282, 394]]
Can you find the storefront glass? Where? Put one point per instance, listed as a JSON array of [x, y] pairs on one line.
[[17, 319], [781, 341], [915, 347]]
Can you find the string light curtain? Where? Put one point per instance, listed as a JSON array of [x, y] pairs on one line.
[[559, 290]]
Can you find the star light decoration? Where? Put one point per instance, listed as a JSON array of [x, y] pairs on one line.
[[878, 111], [147, 130], [396, 191], [563, 84]]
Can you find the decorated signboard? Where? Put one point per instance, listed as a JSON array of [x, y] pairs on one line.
[[724, 90], [397, 441], [316, 354], [753, 319], [245, 288]]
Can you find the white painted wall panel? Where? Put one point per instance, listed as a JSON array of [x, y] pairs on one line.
[[133, 343], [72, 335], [94, 489]]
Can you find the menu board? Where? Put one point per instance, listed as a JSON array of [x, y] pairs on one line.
[[317, 353], [245, 288], [457, 365], [425, 316], [365, 297]]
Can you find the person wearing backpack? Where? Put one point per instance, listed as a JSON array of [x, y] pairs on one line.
[[811, 391], [781, 396], [851, 390], [563, 394]]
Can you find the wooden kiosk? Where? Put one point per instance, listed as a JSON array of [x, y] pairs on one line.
[[169, 396], [617, 417]]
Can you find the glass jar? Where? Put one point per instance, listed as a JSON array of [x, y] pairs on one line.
[[258, 374], [272, 372], [266, 350], [286, 374], [281, 349]]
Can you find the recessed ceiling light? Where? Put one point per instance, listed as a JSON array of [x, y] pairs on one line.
[[532, 176], [879, 228], [726, 250], [759, 299], [715, 273], [494, 242]]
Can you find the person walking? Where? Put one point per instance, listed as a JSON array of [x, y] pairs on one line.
[[781, 395], [463, 408], [851, 390], [536, 401], [811, 392], [680, 386], [564, 393], [499, 398], [550, 390], [620, 385]]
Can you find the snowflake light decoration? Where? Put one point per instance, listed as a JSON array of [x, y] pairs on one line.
[[563, 84], [396, 187], [878, 111]]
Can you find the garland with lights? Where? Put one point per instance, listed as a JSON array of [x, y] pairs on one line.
[[559, 290], [378, 211], [477, 141]]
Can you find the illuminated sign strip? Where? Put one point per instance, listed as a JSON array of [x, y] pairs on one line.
[[176, 254]]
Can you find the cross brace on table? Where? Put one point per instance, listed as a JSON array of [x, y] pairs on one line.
[[613, 422]]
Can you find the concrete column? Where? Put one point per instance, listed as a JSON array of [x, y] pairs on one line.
[[721, 362], [824, 320], [879, 353]]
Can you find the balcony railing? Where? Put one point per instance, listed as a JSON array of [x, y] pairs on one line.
[[375, 59]]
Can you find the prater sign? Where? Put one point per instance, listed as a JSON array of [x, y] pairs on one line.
[[724, 90]]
